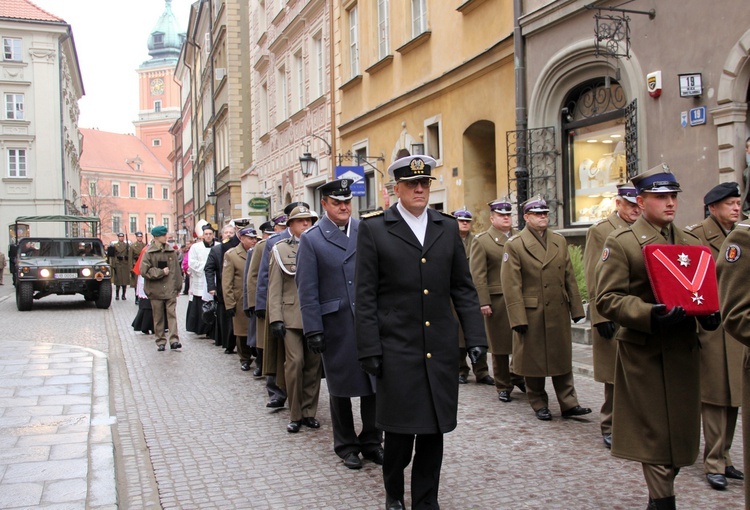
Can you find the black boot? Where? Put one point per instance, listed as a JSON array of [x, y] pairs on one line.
[[665, 503]]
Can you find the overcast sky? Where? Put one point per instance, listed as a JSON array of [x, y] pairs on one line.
[[111, 40]]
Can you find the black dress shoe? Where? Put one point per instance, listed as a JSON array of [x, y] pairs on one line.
[[228, 351], [734, 473], [521, 386], [352, 461], [504, 396], [462, 379], [161, 348], [293, 427], [275, 404], [488, 380], [258, 372], [376, 456], [544, 414], [576, 411], [717, 481], [393, 503], [311, 422], [244, 366], [607, 440], [117, 298], [175, 345]]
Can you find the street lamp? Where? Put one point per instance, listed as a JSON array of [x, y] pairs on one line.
[[85, 209], [212, 197], [308, 163]]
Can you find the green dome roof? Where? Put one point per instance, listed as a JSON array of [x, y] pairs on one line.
[[165, 40]]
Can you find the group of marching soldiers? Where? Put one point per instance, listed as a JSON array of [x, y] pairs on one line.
[[122, 256]]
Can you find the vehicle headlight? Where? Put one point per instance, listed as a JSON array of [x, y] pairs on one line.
[[86, 272], [45, 273]]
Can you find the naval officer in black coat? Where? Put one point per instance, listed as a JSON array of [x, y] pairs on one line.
[[411, 264]]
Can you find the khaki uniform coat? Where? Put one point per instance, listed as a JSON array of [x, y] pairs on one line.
[[733, 261], [485, 262], [721, 355], [656, 417], [135, 251], [231, 284], [158, 285], [121, 264], [282, 303], [540, 291], [252, 290], [605, 349]]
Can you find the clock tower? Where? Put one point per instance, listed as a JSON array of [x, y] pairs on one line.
[[159, 94]]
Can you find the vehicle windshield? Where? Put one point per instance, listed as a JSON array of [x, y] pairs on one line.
[[59, 248]]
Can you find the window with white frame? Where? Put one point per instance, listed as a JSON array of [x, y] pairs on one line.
[[92, 188], [383, 42], [418, 17], [133, 220], [12, 49], [165, 221], [156, 142], [282, 97], [116, 223], [261, 17], [157, 106], [354, 41], [433, 137], [299, 79], [318, 64], [150, 222], [263, 108], [115, 189], [149, 192], [16, 162], [133, 191], [165, 193], [14, 106]]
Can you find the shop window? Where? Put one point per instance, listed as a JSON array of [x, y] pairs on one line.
[[595, 150]]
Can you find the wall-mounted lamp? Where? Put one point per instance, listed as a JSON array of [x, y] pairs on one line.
[[85, 209], [212, 198], [308, 164]]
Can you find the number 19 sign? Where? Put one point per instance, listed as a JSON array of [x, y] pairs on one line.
[[691, 85]]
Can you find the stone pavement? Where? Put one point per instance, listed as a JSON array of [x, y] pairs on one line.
[[191, 431]]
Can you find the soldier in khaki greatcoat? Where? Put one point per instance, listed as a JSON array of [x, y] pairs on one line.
[[481, 370], [605, 348], [721, 355], [232, 277], [135, 251], [121, 264], [656, 418], [541, 295], [301, 367], [733, 262], [485, 262]]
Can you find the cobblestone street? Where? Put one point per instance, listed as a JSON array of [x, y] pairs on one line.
[[192, 431]]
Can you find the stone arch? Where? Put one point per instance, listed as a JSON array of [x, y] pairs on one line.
[[480, 177], [730, 114]]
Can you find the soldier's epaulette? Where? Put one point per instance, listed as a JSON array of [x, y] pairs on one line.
[[558, 233], [275, 234], [600, 222], [480, 234], [447, 214], [513, 237], [745, 225], [371, 214], [309, 229], [692, 227], [620, 231]]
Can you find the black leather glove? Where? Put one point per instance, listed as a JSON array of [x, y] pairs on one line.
[[661, 319], [373, 365], [606, 329], [261, 314], [475, 353], [248, 312], [277, 330], [578, 319], [522, 329], [230, 312], [316, 343], [710, 322]]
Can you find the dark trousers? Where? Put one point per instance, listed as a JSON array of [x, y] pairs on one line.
[[425, 472], [345, 438]]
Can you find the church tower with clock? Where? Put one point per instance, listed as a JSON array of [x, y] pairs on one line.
[[159, 94]]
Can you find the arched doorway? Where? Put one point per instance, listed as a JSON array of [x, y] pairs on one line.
[[480, 171]]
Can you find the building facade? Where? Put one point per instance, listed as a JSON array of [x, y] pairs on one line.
[[125, 184], [39, 140], [660, 82]]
